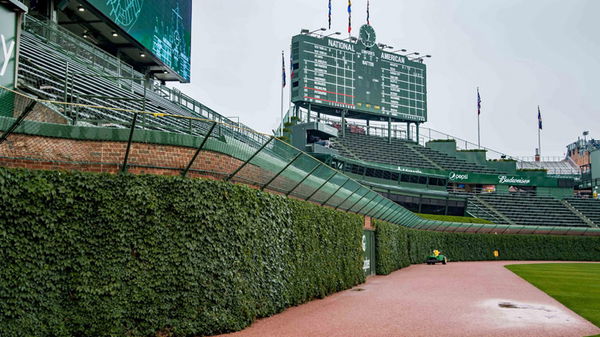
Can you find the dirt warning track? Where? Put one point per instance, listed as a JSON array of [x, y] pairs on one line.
[[458, 299]]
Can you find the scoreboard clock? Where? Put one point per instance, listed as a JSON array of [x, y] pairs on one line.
[[333, 74]]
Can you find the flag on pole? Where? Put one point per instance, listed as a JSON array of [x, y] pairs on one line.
[[329, 14], [539, 118], [368, 14], [349, 16], [282, 70], [478, 103]]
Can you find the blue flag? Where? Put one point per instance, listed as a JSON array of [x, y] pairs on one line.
[[349, 16], [282, 70], [329, 14], [539, 118], [478, 103]]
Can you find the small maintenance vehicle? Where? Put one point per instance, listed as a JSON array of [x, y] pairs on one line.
[[436, 257]]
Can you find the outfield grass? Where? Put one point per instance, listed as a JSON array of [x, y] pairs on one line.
[[576, 285]]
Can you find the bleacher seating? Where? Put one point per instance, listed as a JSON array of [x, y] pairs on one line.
[[563, 167], [43, 73], [400, 153], [588, 207], [524, 209]]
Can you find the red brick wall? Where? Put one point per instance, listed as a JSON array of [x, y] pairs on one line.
[[45, 153]]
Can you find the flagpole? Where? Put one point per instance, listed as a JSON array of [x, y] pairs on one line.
[[539, 132], [478, 113], [281, 128], [282, 87], [478, 135], [539, 138]]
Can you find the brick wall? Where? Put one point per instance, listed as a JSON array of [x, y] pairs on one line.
[[45, 153]]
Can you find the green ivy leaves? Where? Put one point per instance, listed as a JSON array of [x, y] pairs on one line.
[[111, 255]]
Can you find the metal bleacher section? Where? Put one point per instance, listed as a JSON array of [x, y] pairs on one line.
[[590, 208], [554, 168], [58, 65], [527, 210], [401, 152]]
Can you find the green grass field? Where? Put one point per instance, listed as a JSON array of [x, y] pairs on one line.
[[576, 285]]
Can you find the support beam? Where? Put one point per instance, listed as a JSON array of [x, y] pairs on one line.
[[365, 205], [343, 123], [357, 201], [281, 171], [20, 119], [391, 211], [334, 193], [189, 165], [323, 184], [389, 130], [348, 197], [417, 132], [374, 207], [407, 130], [303, 179], [249, 159], [129, 140]]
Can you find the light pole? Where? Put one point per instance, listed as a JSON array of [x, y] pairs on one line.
[[335, 33], [306, 31], [420, 59], [384, 46]]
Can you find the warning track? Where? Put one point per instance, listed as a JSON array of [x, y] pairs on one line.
[[458, 299]]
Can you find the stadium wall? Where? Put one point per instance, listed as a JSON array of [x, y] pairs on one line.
[[398, 247], [89, 254], [66, 147]]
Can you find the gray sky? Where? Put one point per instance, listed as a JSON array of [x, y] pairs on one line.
[[520, 53]]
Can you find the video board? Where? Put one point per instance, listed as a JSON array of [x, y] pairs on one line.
[[163, 27], [357, 76]]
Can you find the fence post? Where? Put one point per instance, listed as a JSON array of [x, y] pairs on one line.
[[323, 184], [249, 159], [334, 193], [348, 197], [281, 171], [303, 179], [189, 165], [17, 122]]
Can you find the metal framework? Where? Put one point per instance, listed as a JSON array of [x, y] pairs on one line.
[[189, 165], [249, 159], [16, 124]]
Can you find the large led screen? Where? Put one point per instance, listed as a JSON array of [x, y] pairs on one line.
[[164, 27]]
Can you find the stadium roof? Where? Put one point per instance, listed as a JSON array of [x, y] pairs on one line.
[[96, 28]]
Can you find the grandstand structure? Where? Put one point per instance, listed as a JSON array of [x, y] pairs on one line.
[[80, 102], [442, 174]]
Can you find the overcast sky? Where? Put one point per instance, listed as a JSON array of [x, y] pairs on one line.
[[520, 54]]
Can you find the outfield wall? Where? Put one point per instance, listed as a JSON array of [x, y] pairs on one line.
[[87, 254]]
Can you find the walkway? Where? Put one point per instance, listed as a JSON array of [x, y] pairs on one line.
[[458, 299]]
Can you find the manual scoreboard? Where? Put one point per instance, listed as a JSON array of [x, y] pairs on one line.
[[358, 77]]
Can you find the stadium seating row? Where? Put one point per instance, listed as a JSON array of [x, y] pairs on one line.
[[530, 210], [401, 153]]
